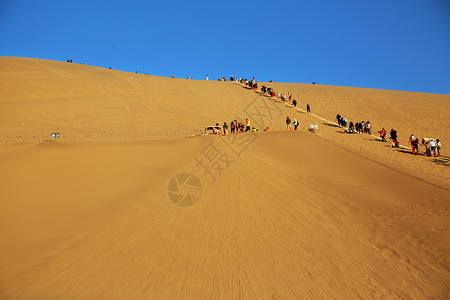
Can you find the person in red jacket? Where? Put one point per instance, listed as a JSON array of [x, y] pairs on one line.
[[383, 134]]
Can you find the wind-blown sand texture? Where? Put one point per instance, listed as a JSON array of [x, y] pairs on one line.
[[291, 215]]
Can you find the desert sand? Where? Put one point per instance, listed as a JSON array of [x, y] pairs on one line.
[[277, 215]]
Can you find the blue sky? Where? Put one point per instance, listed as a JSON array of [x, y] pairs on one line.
[[395, 44]]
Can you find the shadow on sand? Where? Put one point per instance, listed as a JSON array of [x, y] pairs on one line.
[[410, 152], [331, 125], [440, 160], [378, 140]]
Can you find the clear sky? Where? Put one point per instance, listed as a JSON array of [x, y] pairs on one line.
[[384, 44]]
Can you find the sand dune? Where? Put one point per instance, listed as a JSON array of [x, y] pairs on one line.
[[282, 215]]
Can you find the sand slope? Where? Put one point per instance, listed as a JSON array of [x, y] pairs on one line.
[[293, 216]]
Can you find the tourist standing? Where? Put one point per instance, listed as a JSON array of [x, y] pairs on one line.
[[247, 125], [295, 124], [288, 123], [225, 128]]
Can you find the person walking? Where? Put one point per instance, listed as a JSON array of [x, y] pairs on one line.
[[247, 125], [383, 134], [308, 108], [225, 128], [415, 145], [338, 118], [369, 128], [393, 135], [433, 146], [351, 127], [288, 123], [295, 124], [412, 138], [232, 127], [294, 102]]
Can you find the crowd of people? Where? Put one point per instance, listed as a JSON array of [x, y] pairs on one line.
[[268, 90], [236, 127], [432, 147], [253, 84], [341, 120], [360, 127]]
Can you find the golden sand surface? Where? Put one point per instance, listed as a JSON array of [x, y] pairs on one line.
[[278, 215]]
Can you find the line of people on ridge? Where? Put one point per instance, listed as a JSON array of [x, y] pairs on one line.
[[360, 127], [253, 84]]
